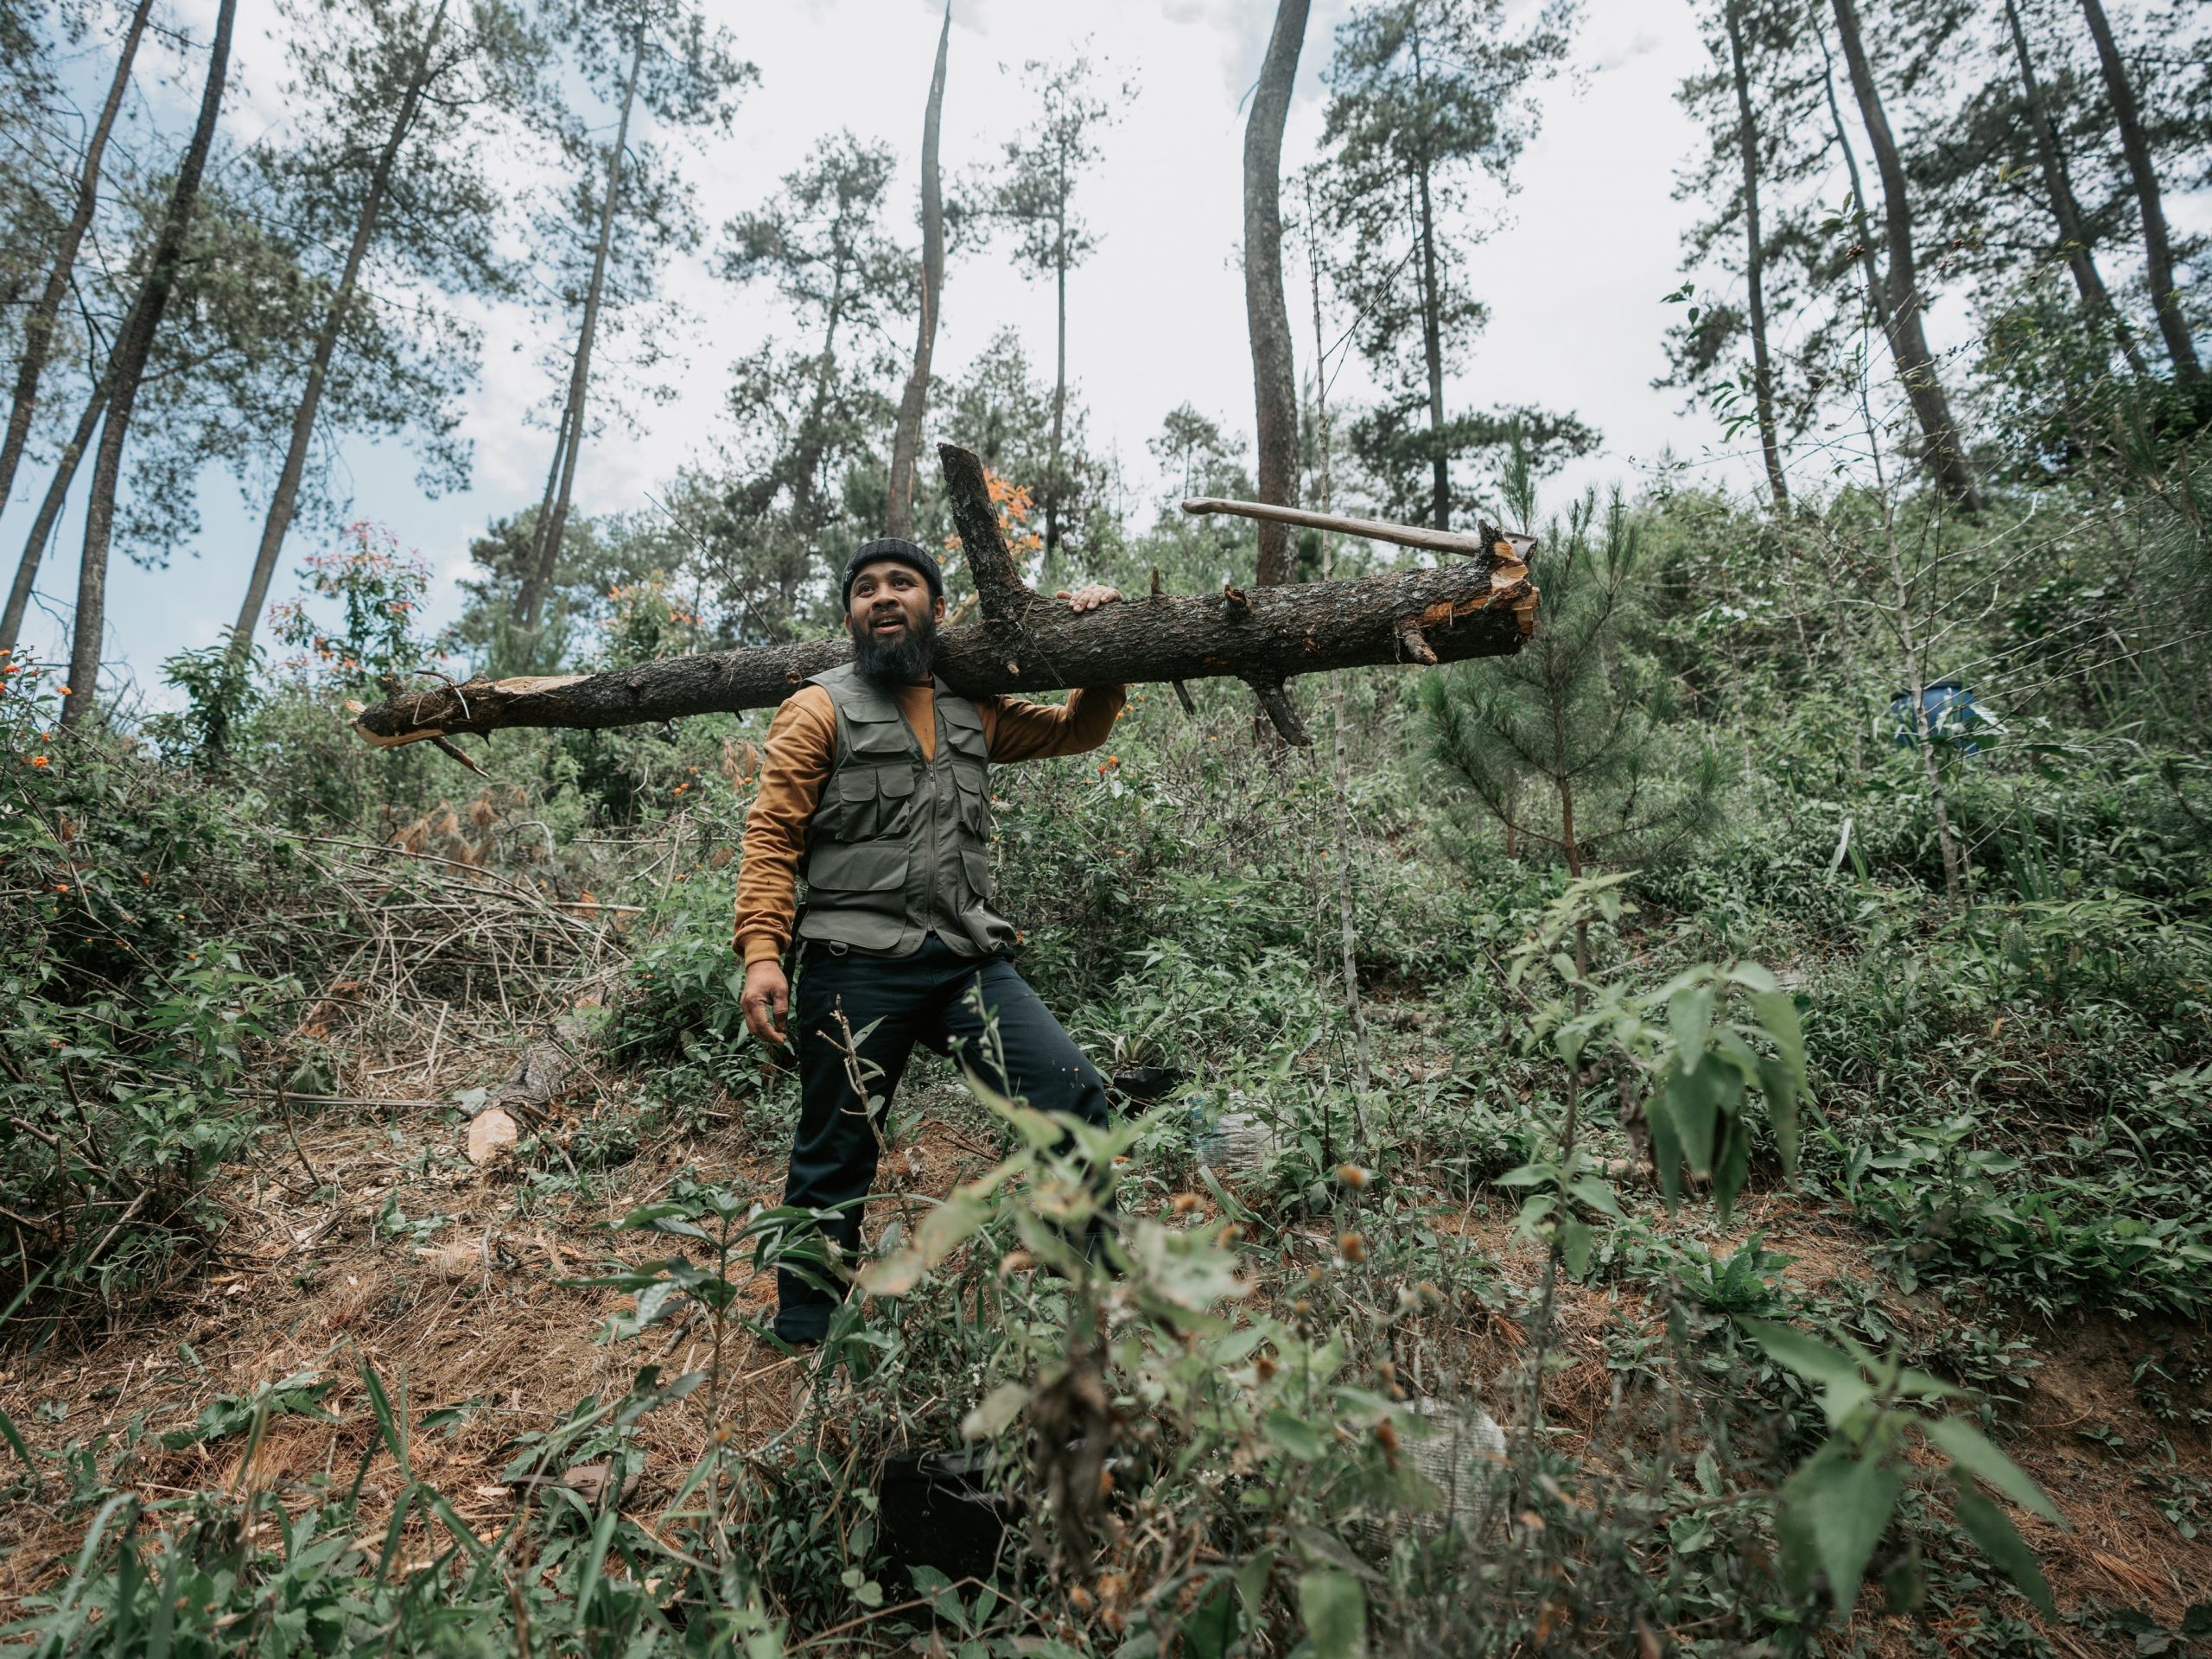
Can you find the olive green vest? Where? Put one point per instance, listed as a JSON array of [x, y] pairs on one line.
[[898, 847]]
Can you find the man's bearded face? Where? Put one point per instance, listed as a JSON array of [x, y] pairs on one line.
[[893, 618]]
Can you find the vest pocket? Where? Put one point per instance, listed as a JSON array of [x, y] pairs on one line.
[[896, 784], [965, 729], [864, 866], [977, 868], [974, 809], [876, 737], [851, 814]]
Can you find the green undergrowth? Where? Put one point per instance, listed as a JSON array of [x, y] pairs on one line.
[[1583, 1124]]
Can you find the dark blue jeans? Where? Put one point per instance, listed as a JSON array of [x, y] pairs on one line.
[[918, 998]]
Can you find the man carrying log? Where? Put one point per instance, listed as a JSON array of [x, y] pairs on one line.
[[876, 788]]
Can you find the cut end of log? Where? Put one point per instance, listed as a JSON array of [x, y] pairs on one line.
[[1510, 587]]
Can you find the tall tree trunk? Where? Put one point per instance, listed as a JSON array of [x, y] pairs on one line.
[[1877, 299], [1747, 139], [1432, 317], [49, 510], [2158, 256], [906, 438], [1915, 364], [1059, 379], [38, 327], [2074, 241], [133, 347], [282, 506], [1274, 374], [553, 516]]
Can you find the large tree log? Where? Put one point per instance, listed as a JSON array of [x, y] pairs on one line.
[[1480, 605]]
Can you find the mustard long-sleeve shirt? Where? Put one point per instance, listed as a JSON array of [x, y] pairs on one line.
[[802, 750]]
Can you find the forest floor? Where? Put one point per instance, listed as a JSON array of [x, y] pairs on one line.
[[462, 1286]]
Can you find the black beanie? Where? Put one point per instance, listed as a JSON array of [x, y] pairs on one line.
[[905, 553]]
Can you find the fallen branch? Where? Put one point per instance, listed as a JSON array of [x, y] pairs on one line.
[[1480, 605]]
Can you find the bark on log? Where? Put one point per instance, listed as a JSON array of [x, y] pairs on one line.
[[1481, 605]]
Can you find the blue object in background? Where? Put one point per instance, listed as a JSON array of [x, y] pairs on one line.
[[1955, 720]]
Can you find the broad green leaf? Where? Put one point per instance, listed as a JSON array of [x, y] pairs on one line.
[[1781, 1092], [1294, 1435], [1753, 976], [1212, 1627], [1843, 1389], [1848, 1502], [996, 1412], [8, 1432], [951, 1224], [1695, 1099], [1333, 1609], [1575, 1246], [896, 1275], [1596, 1191], [1987, 1526], [669, 1216], [1659, 1117], [1969, 1448], [1252, 1580], [1918, 1385], [1731, 1163], [1689, 1016], [1777, 1017]]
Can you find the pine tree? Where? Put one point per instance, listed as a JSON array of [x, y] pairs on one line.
[[2143, 174], [1902, 293], [821, 242], [391, 97], [1034, 196], [907, 437], [133, 347], [1423, 95], [1747, 103], [1275, 371], [38, 327], [661, 55], [1559, 743], [2018, 175], [806, 469]]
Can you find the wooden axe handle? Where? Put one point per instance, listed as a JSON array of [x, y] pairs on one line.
[[1434, 541]]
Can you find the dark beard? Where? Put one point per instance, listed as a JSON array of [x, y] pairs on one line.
[[904, 661]]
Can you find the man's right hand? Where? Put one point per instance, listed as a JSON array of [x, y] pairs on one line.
[[767, 997]]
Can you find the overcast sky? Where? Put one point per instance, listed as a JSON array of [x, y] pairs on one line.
[[1573, 274]]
